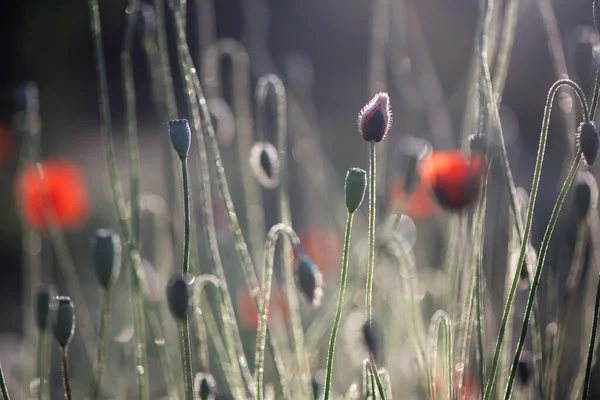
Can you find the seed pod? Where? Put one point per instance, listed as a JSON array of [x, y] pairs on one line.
[[588, 141], [310, 280], [375, 118], [178, 296], [264, 161], [356, 185], [525, 368], [372, 338], [64, 321], [585, 193], [204, 387], [106, 256], [43, 297], [181, 136]]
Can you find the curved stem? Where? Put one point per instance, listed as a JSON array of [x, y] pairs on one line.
[[269, 255], [527, 228], [440, 319], [64, 362], [3, 385], [538, 270], [340, 305], [371, 261], [102, 342]]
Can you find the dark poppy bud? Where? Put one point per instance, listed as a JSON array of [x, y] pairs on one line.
[[64, 320], [372, 338], [264, 161], [588, 141], [181, 136], [375, 118], [478, 143], [310, 281], [106, 256], [585, 193], [204, 386], [178, 296], [43, 297], [355, 187], [411, 151], [525, 368]]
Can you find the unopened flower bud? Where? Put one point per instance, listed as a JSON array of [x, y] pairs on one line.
[[525, 368], [372, 339], [588, 141], [356, 184], [43, 297], [264, 161], [106, 256], [204, 386], [375, 118], [178, 296], [181, 136], [310, 280], [64, 320]]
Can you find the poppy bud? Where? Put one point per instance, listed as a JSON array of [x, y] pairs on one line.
[[106, 255], [478, 143], [372, 339], [64, 321], [310, 281], [204, 386], [178, 296], [356, 185], [375, 118], [181, 136], [43, 296], [585, 193], [588, 141], [525, 368], [264, 161]]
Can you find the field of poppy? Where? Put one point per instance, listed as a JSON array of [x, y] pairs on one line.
[[257, 271]]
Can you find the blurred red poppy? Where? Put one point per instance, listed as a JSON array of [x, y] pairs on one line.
[[64, 184], [453, 177], [248, 314], [323, 246], [419, 204]]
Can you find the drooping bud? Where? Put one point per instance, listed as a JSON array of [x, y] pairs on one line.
[[181, 136], [204, 387], [178, 296], [64, 320], [375, 118], [106, 256], [310, 280], [355, 187], [588, 141], [525, 368], [411, 150], [371, 334], [264, 161], [43, 297], [585, 193]]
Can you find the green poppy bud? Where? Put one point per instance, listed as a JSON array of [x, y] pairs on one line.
[[181, 136], [64, 320], [356, 185], [43, 297], [106, 256]]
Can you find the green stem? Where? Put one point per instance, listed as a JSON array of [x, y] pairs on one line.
[[64, 362], [541, 258], [480, 324], [42, 365], [340, 305], [186, 213], [186, 357], [371, 261], [440, 319], [378, 383], [3, 385], [102, 343], [590, 355], [531, 206], [265, 291]]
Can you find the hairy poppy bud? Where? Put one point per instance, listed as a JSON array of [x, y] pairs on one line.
[[43, 297], [264, 161], [204, 386], [106, 255], [588, 141], [585, 193], [181, 136], [372, 338], [525, 368], [356, 185], [310, 280], [178, 296], [64, 320], [375, 118]]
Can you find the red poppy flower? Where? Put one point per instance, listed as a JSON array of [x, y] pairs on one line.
[[67, 194], [323, 246], [453, 177], [419, 204], [247, 311]]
